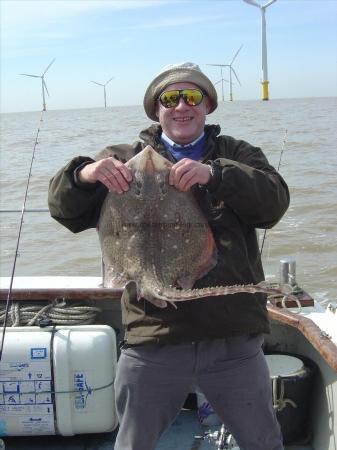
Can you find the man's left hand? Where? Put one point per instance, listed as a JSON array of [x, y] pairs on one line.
[[187, 172]]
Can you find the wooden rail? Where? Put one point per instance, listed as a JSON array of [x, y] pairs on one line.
[[318, 339], [26, 294]]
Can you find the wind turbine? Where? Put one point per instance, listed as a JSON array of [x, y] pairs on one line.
[[100, 84], [264, 82], [43, 83], [231, 70], [222, 79]]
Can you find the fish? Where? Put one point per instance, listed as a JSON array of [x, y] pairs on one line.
[[156, 240]]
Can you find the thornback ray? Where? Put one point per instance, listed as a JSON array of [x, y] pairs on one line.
[[158, 237]]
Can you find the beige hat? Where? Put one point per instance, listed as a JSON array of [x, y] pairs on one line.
[[177, 73]]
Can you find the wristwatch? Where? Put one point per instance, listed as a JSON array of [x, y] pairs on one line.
[[215, 171]]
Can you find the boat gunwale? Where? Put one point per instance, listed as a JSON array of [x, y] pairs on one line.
[[26, 289]]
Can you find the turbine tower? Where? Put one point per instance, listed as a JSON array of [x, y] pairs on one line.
[[104, 85], [43, 84], [222, 79], [264, 82], [231, 70]]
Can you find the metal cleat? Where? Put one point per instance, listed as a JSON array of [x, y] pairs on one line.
[[332, 308], [325, 335], [222, 439]]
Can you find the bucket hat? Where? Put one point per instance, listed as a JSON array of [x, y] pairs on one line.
[[177, 73]]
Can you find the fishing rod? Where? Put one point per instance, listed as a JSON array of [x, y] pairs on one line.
[[278, 168], [23, 209]]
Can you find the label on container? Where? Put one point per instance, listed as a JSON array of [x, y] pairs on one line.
[[82, 391], [26, 405]]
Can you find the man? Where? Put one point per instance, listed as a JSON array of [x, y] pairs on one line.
[[214, 343]]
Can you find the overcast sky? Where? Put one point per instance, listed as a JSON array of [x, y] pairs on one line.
[[131, 40]]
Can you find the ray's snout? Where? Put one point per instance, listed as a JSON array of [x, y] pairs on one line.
[[149, 166]]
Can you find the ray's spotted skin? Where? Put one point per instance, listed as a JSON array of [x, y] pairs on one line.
[[157, 237]]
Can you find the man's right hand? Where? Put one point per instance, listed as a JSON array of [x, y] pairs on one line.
[[109, 171]]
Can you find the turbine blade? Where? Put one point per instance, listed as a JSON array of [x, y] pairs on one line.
[[223, 79], [252, 2], [45, 86], [269, 3], [236, 75], [27, 75], [109, 81], [236, 54], [48, 66], [99, 84], [217, 65]]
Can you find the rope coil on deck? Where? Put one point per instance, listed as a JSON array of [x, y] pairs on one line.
[[56, 312]]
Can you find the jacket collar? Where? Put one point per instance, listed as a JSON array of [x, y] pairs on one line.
[[152, 136]]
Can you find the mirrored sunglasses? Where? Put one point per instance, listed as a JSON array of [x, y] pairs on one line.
[[170, 99]]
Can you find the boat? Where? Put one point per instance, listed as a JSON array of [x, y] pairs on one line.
[[301, 352]]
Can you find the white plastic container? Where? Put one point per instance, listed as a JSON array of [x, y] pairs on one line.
[[58, 380]]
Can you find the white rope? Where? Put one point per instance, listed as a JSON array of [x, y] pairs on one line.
[[298, 303], [280, 402], [58, 313], [288, 289]]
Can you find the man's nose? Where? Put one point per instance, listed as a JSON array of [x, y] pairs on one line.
[[181, 104]]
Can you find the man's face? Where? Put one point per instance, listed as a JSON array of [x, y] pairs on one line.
[[183, 123]]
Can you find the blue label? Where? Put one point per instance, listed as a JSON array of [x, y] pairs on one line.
[[82, 390], [38, 353]]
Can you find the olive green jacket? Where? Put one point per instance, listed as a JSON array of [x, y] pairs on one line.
[[244, 193]]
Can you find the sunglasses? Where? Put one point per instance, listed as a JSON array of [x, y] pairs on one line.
[[171, 99]]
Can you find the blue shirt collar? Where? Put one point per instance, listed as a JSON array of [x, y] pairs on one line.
[[194, 150], [171, 143]]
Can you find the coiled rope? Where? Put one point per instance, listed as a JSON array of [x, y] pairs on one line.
[[54, 313]]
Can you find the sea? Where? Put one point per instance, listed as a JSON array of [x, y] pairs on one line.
[[298, 136]]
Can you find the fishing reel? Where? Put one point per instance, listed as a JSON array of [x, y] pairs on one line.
[[222, 439]]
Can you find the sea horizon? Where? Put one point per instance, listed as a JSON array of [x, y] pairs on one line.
[[140, 105]]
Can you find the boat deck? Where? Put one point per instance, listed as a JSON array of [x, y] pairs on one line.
[[181, 436]]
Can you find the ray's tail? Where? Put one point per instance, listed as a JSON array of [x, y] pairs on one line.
[[173, 295]]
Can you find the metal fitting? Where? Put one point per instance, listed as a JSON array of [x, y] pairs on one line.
[[288, 271], [332, 307]]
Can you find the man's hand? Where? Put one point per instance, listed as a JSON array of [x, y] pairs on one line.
[[187, 172], [109, 171]]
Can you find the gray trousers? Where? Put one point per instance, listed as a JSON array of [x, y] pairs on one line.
[[153, 381]]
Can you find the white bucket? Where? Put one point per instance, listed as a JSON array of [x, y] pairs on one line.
[[206, 413]]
